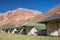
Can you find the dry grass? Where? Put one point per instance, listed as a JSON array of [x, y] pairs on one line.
[[6, 36]]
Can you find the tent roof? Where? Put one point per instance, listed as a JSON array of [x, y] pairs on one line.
[[28, 24], [37, 25], [52, 17]]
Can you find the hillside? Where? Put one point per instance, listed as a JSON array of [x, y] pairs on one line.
[[17, 16], [53, 11]]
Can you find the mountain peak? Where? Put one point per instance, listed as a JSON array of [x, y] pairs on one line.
[[27, 10], [17, 16], [54, 10], [58, 6]]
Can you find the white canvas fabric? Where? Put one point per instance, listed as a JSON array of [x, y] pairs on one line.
[[33, 31]]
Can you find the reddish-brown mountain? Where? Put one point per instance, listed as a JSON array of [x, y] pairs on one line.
[[53, 11], [17, 16]]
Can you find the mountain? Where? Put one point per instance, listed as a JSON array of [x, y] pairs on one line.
[[1, 16], [17, 16], [53, 11], [22, 15]]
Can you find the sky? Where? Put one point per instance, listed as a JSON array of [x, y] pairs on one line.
[[40, 5]]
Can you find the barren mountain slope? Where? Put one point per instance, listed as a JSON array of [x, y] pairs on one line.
[[17, 16], [53, 11]]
